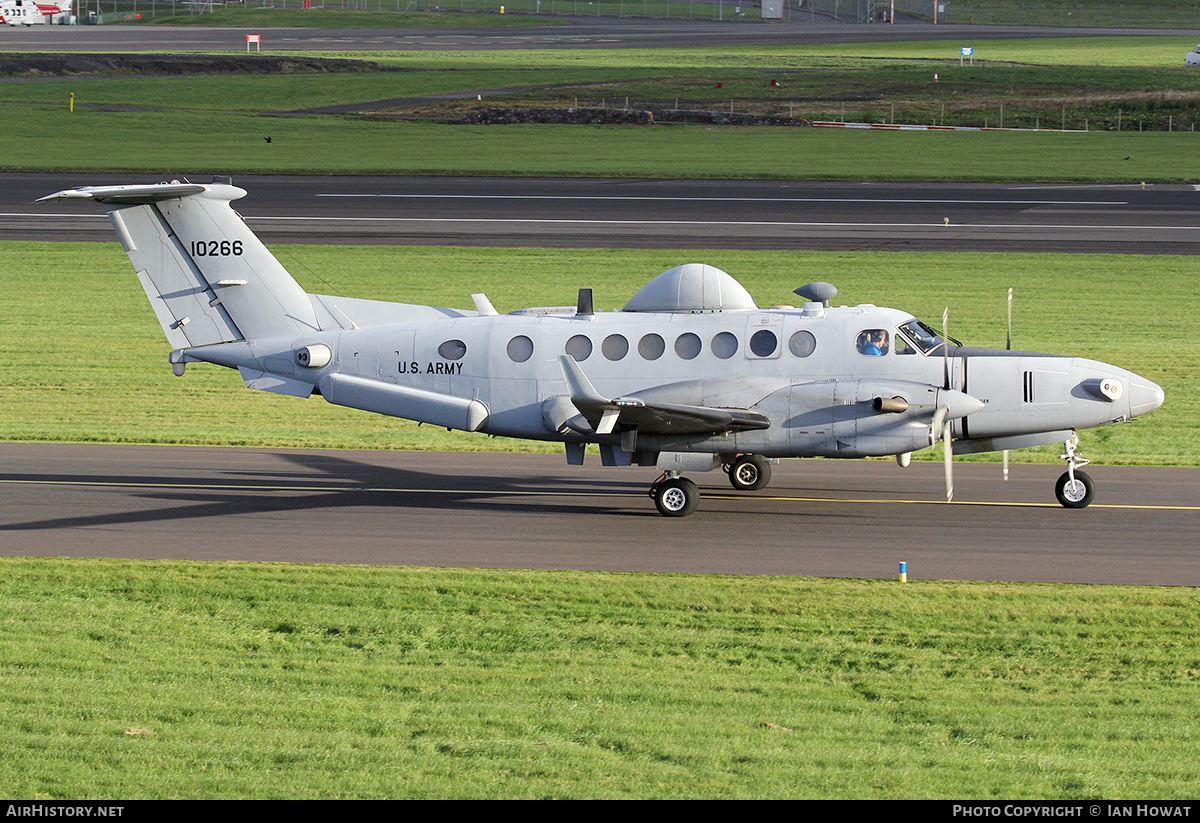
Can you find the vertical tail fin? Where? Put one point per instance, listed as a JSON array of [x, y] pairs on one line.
[[208, 277]]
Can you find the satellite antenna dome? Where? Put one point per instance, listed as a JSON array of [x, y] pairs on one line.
[[695, 287]]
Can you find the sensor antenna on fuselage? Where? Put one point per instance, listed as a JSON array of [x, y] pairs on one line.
[[818, 293]]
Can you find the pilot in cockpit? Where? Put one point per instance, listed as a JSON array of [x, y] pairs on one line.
[[873, 342]]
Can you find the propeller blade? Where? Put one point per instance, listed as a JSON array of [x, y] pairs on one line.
[[949, 461], [941, 431], [946, 346], [939, 417]]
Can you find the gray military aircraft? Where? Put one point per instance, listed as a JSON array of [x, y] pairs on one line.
[[689, 376]]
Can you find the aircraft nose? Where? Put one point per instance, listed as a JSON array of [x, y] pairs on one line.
[[1144, 395]]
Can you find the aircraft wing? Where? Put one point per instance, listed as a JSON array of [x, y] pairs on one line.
[[670, 418], [648, 416]]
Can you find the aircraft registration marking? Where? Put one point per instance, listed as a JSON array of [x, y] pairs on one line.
[[215, 248]]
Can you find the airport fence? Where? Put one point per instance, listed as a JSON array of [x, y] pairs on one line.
[[115, 11], [1092, 13], [1161, 112], [1165, 14]]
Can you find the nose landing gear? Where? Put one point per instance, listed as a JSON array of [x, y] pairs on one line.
[[1074, 489]]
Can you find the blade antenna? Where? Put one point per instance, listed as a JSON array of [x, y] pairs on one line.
[[1008, 345]]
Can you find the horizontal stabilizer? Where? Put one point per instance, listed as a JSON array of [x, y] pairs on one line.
[[127, 195], [276, 383]]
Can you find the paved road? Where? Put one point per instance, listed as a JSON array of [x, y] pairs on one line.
[[664, 214], [581, 33], [819, 517]]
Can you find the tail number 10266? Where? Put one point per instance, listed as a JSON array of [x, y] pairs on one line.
[[216, 248]]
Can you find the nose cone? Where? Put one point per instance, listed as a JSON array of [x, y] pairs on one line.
[[1144, 396]]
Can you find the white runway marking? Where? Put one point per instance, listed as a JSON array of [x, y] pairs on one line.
[[1042, 227], [654, 198]]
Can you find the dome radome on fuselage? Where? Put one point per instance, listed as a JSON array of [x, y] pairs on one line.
[[695, 287]]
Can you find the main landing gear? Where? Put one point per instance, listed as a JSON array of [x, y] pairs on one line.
[[749, 472], [1074, 489], [676, 496]]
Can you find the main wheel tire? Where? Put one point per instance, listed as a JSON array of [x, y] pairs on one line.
[[1076, 495], [676, 497], [749, 472]]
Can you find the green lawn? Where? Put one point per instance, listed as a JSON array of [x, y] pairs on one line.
[[198, 124], [126, 679], [231, 143]]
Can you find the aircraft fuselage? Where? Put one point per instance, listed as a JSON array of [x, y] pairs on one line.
[[803, 371]]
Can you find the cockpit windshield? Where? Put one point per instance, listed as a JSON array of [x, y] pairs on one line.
[[923, 337]]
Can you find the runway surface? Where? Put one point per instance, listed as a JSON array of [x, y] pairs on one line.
[[580, 213], [579, 33], [819, 518]]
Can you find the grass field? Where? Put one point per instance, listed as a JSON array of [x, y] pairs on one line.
[[127, 679], [217, 123], [234, 144], [1174, 14], [87, 360]]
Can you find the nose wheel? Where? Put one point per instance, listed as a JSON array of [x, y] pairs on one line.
[[1075, 492], [674, 496], [1074, 489]]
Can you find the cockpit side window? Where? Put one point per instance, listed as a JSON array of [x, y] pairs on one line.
[[923, 337], [872, 342]]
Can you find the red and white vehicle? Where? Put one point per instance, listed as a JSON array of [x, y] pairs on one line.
[[32, 12]]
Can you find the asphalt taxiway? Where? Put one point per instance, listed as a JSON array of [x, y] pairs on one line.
[[588, 213], [577, 32], [818, 517]]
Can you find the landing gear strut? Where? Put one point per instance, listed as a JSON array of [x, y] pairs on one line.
[[674, 495], [1074, 489], [749, 472]]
